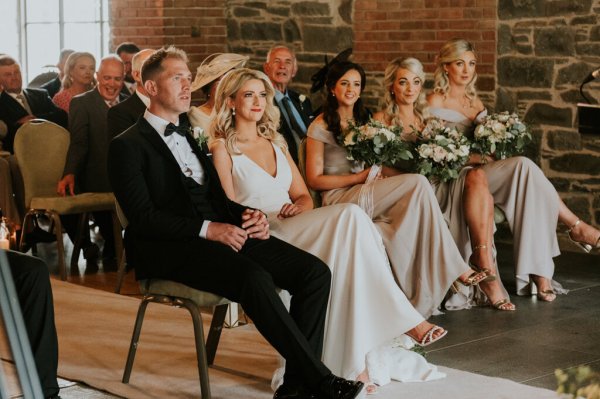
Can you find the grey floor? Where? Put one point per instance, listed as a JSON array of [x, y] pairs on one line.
[[525, 346]]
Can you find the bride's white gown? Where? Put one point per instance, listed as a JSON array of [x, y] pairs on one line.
[[367, 309]]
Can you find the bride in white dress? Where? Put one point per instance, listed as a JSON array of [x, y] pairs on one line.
[[367, 309]]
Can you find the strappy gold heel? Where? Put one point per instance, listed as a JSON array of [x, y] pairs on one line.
[[587, 248], [489, 276]]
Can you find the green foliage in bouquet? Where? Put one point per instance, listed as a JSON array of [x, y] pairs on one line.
[[580, 382], [501, 135], [375, 144], [440, 151]]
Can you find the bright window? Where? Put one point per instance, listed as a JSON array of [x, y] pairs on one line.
[[34, 31]]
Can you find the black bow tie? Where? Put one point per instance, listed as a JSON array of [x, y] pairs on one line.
[[171, 128]]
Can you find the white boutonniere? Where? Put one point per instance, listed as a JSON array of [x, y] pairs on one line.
[[302, 98], [199, 135]]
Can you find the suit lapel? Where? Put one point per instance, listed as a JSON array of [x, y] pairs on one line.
[[152, 136], [13, 107], [295, 97]]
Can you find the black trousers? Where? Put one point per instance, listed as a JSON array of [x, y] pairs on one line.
[[251, 278], [32, 282]]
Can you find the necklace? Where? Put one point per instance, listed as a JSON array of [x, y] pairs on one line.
[[466, 103]]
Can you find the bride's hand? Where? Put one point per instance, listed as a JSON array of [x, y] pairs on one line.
[[288, 210]]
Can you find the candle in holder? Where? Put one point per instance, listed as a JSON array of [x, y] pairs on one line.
[[4, 235]]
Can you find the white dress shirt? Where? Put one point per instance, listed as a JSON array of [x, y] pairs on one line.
[[182, 151]]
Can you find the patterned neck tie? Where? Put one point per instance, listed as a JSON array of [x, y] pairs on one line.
[[171, 128], [24, 103], [296, 127]]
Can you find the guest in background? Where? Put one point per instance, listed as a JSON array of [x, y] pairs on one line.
[[182, 227], [85, 168], [19, 105], [295, 109], [529, 201], [466, 203], [208, 75], [53, 86], [366, 307], [126, 51], [423, 255], [126, 113], [78, 78], [32, 284]]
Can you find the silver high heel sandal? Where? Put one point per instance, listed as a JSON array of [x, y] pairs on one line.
[[583, 245]]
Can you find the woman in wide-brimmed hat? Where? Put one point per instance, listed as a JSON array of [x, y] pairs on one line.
[[208, 75]]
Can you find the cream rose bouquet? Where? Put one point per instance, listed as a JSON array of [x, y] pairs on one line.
[[501, 135], [440, 151], [375, 144]]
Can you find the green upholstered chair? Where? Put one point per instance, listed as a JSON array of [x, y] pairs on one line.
[[41, 151], [177, 295]]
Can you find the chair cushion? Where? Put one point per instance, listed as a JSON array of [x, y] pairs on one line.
[[86, 202], [171, 288]]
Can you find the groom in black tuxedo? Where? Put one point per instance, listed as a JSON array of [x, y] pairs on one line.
[[183, 228]]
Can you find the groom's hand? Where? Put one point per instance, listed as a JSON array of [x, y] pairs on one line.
[[256, 224], [227, 234]]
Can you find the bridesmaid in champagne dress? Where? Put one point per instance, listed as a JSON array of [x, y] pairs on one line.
[[466, 203], [367, 309], [519, 188], [421, 250]]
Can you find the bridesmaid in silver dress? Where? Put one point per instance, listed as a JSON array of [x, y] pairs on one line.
[[466, 202], [529, 201], [423, 255]]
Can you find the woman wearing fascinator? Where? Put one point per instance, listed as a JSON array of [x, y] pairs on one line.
[[518, 186], [422, 253], [208, 74]]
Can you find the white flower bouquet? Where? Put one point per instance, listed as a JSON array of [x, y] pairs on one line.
[[501, 135], [440, 151], [375, 144]]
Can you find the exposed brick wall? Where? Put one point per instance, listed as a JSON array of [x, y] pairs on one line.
[[386, 29], [196, 26]]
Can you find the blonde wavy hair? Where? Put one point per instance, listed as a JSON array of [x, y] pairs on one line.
[[390, 107], [450, 52], [67, 80], [222, 126]]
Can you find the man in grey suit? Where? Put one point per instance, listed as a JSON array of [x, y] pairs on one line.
[[85, 169], [125, 114], [295, 108]]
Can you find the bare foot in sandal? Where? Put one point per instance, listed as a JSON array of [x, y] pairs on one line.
[[493, 291], [425, 333], [544, 288]]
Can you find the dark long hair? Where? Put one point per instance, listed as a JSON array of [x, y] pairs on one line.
[[330, 114]]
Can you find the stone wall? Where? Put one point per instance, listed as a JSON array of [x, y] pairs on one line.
[[313, 29], [545, 50]]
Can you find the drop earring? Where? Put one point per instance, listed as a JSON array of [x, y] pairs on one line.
[[233, 111]]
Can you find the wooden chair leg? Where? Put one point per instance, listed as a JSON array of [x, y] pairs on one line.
[[121, 271], [214, 334], [62, 267], [137, 329], [79, 238], [200, 347]]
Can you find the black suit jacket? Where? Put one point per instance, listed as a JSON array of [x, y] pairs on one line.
[[305, 110], [163, 225], [41, 106], [52, 87], [124, 115]]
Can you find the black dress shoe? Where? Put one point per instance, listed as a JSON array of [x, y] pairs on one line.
[[91, 252], [290, 392], [333, 387]]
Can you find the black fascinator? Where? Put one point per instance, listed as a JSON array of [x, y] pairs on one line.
[[319, 77]]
